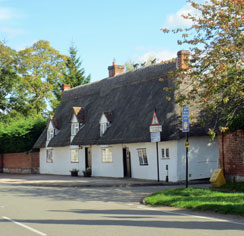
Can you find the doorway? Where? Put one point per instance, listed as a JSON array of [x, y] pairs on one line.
[[88, 157], [127, 163]]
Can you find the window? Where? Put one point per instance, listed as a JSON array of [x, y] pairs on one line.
[[103, 128], [165, 153], [50, 134], [74, 155], [49, 155], [107, 154], [75, 127], [142, 154]]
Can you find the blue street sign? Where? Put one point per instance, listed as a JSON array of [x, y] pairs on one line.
[[185, 124], [155, 137], [185, 111], [185, 119]]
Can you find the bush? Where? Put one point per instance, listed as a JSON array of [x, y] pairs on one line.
[[19, 135]]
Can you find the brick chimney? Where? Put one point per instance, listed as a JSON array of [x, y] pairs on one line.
[[115, 69], [182, 59], [65, 87]]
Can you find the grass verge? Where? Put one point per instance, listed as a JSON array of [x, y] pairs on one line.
[[238, 187], [199, 199]]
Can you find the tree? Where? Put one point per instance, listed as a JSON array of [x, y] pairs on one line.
[[73, 74], [41, 68], [8, 75], [130, 64], [20, 133], [216, 66]]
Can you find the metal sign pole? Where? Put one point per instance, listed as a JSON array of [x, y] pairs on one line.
[[187, 161], [157, 160]]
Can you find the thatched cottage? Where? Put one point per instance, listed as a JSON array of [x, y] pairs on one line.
[[105, 126]]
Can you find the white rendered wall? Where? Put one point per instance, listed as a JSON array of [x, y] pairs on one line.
[[61, 164], [143, 171], [171, 161], [203, 158], [150, 171], [110, 169]]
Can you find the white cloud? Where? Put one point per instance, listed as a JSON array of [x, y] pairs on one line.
[[159, 55], [11, 32], [6, 14], [176, 19]]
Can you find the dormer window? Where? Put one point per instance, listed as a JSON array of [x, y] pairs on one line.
[[50, 134], [105, 122], [103, 128], [75, 127], [77, 120], [53, 128]]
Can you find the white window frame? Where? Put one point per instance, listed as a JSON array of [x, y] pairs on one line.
[[49, 155], [74, 155], [50, 134], [142, 155], [165, 153], [103, 128], [75, 127], [107, 155]]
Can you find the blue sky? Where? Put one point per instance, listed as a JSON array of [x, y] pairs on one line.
[[100, 29]]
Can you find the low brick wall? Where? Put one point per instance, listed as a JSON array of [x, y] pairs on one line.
[[20, 163], [231, 154]]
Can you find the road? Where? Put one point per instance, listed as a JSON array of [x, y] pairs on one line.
[[32, 211]]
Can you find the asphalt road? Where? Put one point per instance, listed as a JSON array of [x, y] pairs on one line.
[[31, 211]]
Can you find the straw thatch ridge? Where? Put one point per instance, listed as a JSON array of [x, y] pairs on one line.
[[130, 99]]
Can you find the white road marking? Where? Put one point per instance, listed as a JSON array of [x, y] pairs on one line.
[[24, 226], [196, 216]]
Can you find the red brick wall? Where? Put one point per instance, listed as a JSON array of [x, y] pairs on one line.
[[1, 162], [231, 153], [20, 162]]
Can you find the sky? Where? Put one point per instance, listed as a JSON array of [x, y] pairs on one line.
[[101, 30]]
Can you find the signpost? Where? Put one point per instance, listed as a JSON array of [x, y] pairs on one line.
[[185, 129], [155, 130]]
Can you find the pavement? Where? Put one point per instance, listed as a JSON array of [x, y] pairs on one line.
[[44, 180]]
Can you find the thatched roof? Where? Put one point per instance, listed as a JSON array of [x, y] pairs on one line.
[[131, 99], [80, 114]]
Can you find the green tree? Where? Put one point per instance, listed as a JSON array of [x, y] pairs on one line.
[[129, 65], [41, 68], [216, 65], [74, 74], [20, 133], [8, 76]]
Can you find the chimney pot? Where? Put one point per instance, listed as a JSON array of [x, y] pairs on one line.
[[182, 59], [65, 87]]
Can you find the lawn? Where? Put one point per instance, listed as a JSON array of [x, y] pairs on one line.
[[199, 199]]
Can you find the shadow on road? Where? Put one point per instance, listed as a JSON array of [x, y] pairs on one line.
[[125, 194], [200, 225]]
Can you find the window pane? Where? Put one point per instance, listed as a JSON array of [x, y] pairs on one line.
[[163, 153], [142, 154], [74, 155], [49, 156], [107, 155], [167, 152], [72, 129], [103, 128]]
